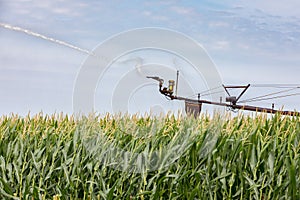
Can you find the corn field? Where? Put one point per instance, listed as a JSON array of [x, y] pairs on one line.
[[223, 157]]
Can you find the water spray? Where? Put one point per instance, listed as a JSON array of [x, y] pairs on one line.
[[29, 32]]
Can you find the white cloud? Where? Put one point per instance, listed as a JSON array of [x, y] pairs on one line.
[[182, 10], [42, 10], [155, 16], [160, 18], [285, 8], [147, 13], [221, 45], [219, 24]]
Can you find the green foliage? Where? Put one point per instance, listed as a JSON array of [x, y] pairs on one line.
[[45, 157]]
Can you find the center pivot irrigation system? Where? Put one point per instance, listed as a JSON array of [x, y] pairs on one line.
[[233, 103]]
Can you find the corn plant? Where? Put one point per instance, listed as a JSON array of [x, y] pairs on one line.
[[220, 157]]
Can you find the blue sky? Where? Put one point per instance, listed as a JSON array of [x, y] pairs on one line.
[[249, 41]]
